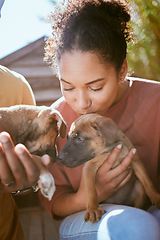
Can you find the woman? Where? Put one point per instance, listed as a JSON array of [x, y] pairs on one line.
[[88, 49]]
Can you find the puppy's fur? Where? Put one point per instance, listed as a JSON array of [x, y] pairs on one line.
[[37, 128], [92, 137]]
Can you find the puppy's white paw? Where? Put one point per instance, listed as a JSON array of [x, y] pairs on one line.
[[46, 185]]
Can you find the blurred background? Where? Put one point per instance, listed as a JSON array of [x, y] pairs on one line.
[[144, 55], [21, 23]]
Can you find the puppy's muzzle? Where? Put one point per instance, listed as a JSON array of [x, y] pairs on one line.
[[50, 151], [66, 160]]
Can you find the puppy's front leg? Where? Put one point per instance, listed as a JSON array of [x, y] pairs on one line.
[[93, 211], [45, 182]]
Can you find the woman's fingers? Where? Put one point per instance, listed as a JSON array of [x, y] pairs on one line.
[[124, 180], [114, 185], [125, 164], [112, 179], [107, 165], [119, 175], [121, 179]]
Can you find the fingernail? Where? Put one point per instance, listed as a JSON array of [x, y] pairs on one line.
[[4, 139], [119, 146], [19, 149], [46, 159], [134, 151]]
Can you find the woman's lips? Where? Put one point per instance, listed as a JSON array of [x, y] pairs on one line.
[[84, 113]]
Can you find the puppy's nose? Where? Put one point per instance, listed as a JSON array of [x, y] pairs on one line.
[[65, 159], [63, 155]]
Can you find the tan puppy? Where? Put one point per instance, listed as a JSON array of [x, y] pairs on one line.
[[37, 128], [92, 137]]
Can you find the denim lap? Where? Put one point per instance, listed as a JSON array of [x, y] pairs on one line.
[[119, 223]]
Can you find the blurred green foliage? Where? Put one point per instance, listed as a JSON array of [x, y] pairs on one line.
[[144, 55]]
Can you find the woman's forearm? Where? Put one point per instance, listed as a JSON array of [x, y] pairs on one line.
[[68, 203]]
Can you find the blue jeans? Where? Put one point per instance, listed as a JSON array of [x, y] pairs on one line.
[[119, 223]]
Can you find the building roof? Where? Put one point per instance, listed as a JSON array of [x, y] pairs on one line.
[[29, 62]]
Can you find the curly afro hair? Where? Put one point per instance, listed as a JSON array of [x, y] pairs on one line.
[[95, 26]]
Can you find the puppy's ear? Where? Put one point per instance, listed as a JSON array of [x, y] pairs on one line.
[[48, 115], [60, 122], [96, 127], [108, 129]]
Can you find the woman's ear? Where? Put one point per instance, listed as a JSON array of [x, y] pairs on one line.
[[123, 72]]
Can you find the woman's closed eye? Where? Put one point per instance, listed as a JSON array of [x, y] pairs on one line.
[[97, 85], [68, 89], [95, 89]]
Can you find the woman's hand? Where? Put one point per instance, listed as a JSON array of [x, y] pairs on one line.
[[108, 180], [18, 168]]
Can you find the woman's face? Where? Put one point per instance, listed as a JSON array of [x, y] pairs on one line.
[[88, 85]]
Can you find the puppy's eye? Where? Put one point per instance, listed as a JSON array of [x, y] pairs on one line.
[[76, 135], [94, 126], [78, 138]]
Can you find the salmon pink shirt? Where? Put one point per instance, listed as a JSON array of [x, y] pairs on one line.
[[137, 115]]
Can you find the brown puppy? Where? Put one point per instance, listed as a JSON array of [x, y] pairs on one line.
[[37, 128], [92, 137]]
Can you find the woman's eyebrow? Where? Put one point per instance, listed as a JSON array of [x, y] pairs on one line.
[[62, 80], [91, 82], [94, 81]]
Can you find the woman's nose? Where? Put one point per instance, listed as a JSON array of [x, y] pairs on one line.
[[83, 101]]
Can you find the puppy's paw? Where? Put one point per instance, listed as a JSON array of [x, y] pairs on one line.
[[94, 215], [46, 185]]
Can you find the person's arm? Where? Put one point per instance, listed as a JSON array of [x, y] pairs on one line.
[[27, 96], [107, 182], [15, 173]]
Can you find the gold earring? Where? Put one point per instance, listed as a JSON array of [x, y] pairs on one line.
[[121, 80]]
